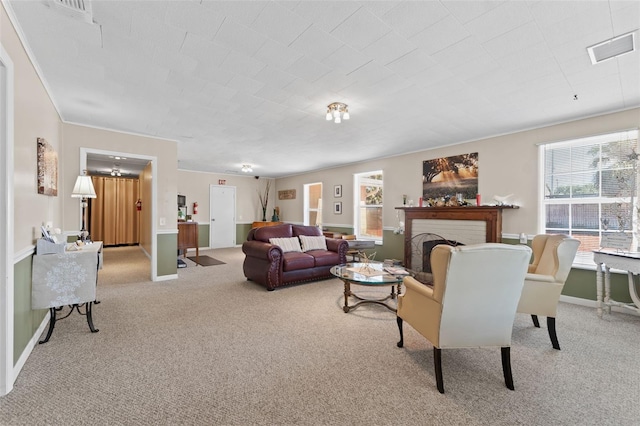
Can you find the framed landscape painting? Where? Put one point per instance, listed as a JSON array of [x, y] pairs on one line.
[[448, 176]]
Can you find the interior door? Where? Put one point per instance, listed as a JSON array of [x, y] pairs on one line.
[[222, 230]]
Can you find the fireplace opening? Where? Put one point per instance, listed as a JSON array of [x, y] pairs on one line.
[[420, 248]]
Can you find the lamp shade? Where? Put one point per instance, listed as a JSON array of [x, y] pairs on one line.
[[83, 188]]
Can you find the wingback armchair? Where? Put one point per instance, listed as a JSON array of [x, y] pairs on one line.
[[553, 256], [472, 303]]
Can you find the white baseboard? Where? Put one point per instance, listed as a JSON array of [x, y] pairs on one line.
[[32, 344], [166, 277], [145, 252], [578, 301]]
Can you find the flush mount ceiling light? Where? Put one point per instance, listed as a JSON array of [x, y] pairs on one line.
[[611, 48], [337, 111], [246, 168], [115, 171]]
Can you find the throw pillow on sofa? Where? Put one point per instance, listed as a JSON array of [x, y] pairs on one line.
[[313, 243], [286, 244]]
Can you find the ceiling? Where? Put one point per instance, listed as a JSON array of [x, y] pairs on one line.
[[109, 165], [248, 82]]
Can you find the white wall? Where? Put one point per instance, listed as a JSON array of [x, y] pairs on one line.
[[507, 165], [195, 186], [35, 117], [166, 152]]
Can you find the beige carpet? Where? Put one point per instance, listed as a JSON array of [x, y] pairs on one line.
[[124, 265], [212, 348]]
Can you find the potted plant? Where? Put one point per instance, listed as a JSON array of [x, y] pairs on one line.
[[264, 199]]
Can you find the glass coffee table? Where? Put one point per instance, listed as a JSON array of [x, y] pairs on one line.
[[372, 275]]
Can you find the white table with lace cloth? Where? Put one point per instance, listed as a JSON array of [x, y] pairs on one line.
[[66, 279]]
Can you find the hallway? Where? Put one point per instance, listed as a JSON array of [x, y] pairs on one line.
[[124, 265]]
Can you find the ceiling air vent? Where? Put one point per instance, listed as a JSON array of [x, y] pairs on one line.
[[611, 48], [77, 9]]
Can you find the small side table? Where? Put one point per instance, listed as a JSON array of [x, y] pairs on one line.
[[188, 238], [629, 262], [66, 279], [260, 224]]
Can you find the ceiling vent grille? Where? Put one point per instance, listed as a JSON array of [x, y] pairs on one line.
[[77, 9], [611, 48]]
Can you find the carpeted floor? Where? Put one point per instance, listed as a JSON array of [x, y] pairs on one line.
[[212, 348]]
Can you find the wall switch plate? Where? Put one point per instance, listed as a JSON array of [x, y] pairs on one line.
[[523, 238], [163, 221]]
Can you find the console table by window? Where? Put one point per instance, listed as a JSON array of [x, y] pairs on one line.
[[66, 279], [188, 238], [629, 262]]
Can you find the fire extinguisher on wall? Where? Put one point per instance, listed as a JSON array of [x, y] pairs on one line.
[[139, 204], [195, 208]]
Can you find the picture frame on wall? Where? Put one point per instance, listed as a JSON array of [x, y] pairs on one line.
[[449, 176], [337, 191], [337, 207], [47, 166]]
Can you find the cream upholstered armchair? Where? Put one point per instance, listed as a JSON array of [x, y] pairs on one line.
[[553, 256], [472, 303]]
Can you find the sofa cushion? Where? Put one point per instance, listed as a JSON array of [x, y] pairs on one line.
[[325, 257], [313, 243], [278, 231], [286, 244], [312, 231], [293, 261]]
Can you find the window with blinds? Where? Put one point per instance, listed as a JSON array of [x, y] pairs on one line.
[[590, 187]]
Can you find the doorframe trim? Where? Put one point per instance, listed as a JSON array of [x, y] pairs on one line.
[[7, 373]]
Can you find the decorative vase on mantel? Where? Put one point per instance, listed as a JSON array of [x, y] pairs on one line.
[[275, 217], [264, 214]]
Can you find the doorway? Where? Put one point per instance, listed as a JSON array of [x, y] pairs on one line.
[[313, 204], [222, 228], [113, 215], [150, 230]]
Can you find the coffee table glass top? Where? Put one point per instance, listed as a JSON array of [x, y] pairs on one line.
[[373, 273]]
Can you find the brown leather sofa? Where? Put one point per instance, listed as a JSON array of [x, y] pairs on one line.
[[268, 265]]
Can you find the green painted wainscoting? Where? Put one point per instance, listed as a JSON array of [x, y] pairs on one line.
[[25, 320], [242, 230], [167, 251], [203, 235]]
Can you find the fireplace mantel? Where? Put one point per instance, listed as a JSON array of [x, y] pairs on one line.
[[490, 215]]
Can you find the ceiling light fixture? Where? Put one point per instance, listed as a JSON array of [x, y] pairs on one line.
[[612, 48], [115, 171], [247, 168], [337, 112]]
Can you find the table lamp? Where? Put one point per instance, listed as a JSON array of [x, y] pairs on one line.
[[83, 189]]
